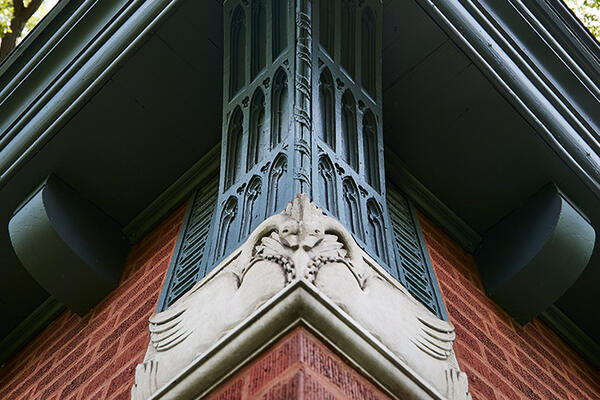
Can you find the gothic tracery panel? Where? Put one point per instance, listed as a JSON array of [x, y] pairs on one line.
[[327, 25], [376, 229], [371, 150], [352, 212], [234, 147], [279, 27], [228, 214], [276, 193], [368, 51], [237, 45], [258, 36], [349, 137], [327, 189], [279, 108], [348, 28], [327, 108], [256, 138], [251, 214]]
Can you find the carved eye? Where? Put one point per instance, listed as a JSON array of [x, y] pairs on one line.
[[317, 231], [285, 230]]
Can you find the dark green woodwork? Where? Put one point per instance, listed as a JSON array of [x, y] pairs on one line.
[[93, 69], [571, 333], [191, 245], [69, 246], [31, 326], [416, 272], [306, 121], [533, 255]]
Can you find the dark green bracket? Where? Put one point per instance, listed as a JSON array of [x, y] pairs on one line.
[[533, 255], [69, 246]]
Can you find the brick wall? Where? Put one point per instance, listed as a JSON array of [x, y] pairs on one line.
[[94, 357], [298, 367], [503, 360]]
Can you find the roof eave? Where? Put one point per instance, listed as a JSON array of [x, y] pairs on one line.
[[535, 71]]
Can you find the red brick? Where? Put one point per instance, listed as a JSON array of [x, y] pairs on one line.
[[535, 383], [315, 390], [463, 336], [561, 380], [287, 389], [31, 380], [475, 331], [531, 361], [233, 391], [506, 373], [64, 365], [587, 389], [273, 364], [299, 366], [142, 313], [123, 379], [472, 310], [94, 357]]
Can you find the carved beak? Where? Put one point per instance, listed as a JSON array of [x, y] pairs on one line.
[[290, 241], [310, 241]]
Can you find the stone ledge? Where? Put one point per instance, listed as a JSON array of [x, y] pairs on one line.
[[299, 304]]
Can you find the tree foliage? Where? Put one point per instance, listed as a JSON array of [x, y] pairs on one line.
[[17, 18], [588, 11]]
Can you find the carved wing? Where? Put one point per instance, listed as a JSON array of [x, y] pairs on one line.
[[434, 336], [271, 246], [168, 329], [329, 246]]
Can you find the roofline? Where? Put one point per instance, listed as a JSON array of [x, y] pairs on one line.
[[72, 62], [557, 97], [543, 79], [581, 35], [27, 41]]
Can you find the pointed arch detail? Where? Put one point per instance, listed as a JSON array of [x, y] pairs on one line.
[[327, 108], [237, 50], [256, 137], [234, 147], [349, 137], [279, 107]]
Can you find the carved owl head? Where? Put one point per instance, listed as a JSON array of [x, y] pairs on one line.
[[301, 234]]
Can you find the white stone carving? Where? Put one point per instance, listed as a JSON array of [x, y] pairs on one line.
[[301, 243]]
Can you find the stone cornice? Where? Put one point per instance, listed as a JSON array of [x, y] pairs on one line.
[[299, 267], [300, 304]]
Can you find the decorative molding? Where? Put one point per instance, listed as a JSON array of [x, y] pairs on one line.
[[572, 334], [90, 63], [204, 169], [58, 227], [535, 253], [300, 304], [301, 250], [46, 312], [303, 97], [429, 204], [550, 99]]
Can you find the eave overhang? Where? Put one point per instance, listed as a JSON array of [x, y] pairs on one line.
[[87, 48], [535, 71]]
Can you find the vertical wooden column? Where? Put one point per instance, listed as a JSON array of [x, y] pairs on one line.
[[302, 114]]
